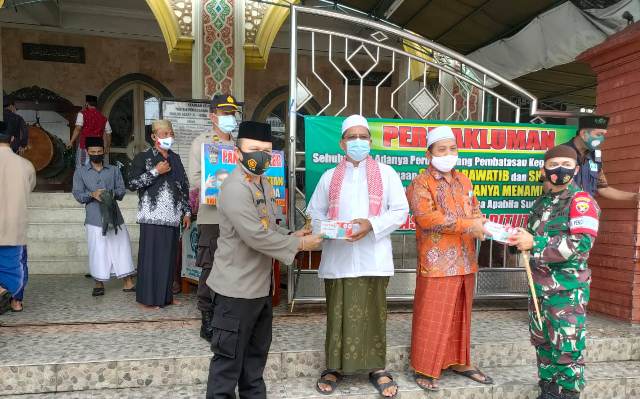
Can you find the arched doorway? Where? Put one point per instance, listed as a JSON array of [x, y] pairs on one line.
[[131, 103]]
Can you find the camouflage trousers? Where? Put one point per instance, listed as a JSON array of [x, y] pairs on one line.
[[560, 341]]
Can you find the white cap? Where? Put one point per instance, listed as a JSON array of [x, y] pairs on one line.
[[353, 121], [440, 133]]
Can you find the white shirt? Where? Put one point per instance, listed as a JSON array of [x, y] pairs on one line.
[[372, 255], [80, 122]]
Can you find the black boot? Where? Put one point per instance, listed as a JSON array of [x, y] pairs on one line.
[[549, 390], [566, 394], [206, 330]]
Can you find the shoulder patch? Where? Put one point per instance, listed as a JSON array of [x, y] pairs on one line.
[[583, 215]]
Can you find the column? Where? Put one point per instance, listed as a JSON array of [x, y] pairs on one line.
[[223, 38], [614, 260]]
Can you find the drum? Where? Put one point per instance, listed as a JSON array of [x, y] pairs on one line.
[[40, 149], [46, 152]]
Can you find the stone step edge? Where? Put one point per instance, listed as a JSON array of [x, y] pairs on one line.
[[396, 355], [111, 377]]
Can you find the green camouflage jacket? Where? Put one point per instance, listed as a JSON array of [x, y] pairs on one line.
[[564, 226]]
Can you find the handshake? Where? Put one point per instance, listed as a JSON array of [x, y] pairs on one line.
[[308, 241]]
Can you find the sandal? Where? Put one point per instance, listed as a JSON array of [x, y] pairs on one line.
[[475, 372], [18, 310], [332, 384], [97, 291], [430, 380], [375, 376], [132, 289]]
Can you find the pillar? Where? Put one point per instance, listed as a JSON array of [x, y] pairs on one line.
[[614, 259], [222, 47]]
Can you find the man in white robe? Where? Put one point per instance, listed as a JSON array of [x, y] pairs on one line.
[[109, 251], [356, 271]]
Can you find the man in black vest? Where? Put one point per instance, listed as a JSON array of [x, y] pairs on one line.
[[591, 134]]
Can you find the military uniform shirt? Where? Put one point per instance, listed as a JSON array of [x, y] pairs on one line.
[[561, 249]]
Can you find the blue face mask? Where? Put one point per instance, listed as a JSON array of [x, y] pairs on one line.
[[227, 123], [358, 149]]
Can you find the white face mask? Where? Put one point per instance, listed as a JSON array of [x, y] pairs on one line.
[[444, 163], [166, 143]]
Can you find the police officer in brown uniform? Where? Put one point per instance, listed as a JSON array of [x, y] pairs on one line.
[[222, 113], [242, 275]]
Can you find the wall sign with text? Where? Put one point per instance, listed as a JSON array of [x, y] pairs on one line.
[[503, 160]]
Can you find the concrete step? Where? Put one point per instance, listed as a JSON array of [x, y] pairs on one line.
[[72, 215], [51, 249], [68, 232], [66, 200], [62, 265], [608, 381]]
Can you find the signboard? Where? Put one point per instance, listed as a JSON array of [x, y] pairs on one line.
[[189, 118], [218, 160], [190, 252], [53, 53], [503, 160]]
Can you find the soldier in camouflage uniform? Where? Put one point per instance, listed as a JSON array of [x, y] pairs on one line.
[[562, 228]]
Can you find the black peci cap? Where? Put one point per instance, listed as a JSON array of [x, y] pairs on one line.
[[593, 122], [91, 99], [255, 131], [94, 142]]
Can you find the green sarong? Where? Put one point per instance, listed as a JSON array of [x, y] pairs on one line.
[[356, 339]]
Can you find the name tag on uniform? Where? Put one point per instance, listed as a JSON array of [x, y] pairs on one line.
[[593, 166]]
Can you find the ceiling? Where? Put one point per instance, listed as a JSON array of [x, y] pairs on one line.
[[468, 25]]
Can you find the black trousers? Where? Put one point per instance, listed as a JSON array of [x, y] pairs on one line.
[[240, 344], [207, 245]]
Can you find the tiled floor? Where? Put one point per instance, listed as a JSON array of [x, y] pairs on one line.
[[67, 340]]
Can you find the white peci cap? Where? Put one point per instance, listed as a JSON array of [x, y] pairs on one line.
[[438, 134], [354, 120]]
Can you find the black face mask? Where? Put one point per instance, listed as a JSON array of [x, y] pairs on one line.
[[96, 158], [559, 176], [256, 162]]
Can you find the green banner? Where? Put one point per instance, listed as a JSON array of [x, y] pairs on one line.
[[503, 160]]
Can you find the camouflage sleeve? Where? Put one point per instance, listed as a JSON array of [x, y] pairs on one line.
[[562, 248]]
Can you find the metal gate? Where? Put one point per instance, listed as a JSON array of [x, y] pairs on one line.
[[420, 79]]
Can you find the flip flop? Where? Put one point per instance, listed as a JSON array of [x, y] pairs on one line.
[[97, 291], [373, 379], [475, 372], [430, 380], [332, 384], [132, 289]]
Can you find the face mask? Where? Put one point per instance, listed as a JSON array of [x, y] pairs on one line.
[[559, 176], [256, 162], [227, 123], [593, 143], [96, 158], [166, 144], [444, 163], [358, 149]]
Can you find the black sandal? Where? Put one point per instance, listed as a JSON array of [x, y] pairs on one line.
[[431, 380], [97, 291], [475, 372], [332, 384], [132, 289], [375, 376]]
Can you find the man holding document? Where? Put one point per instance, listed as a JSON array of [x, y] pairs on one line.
[[359, 204]]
